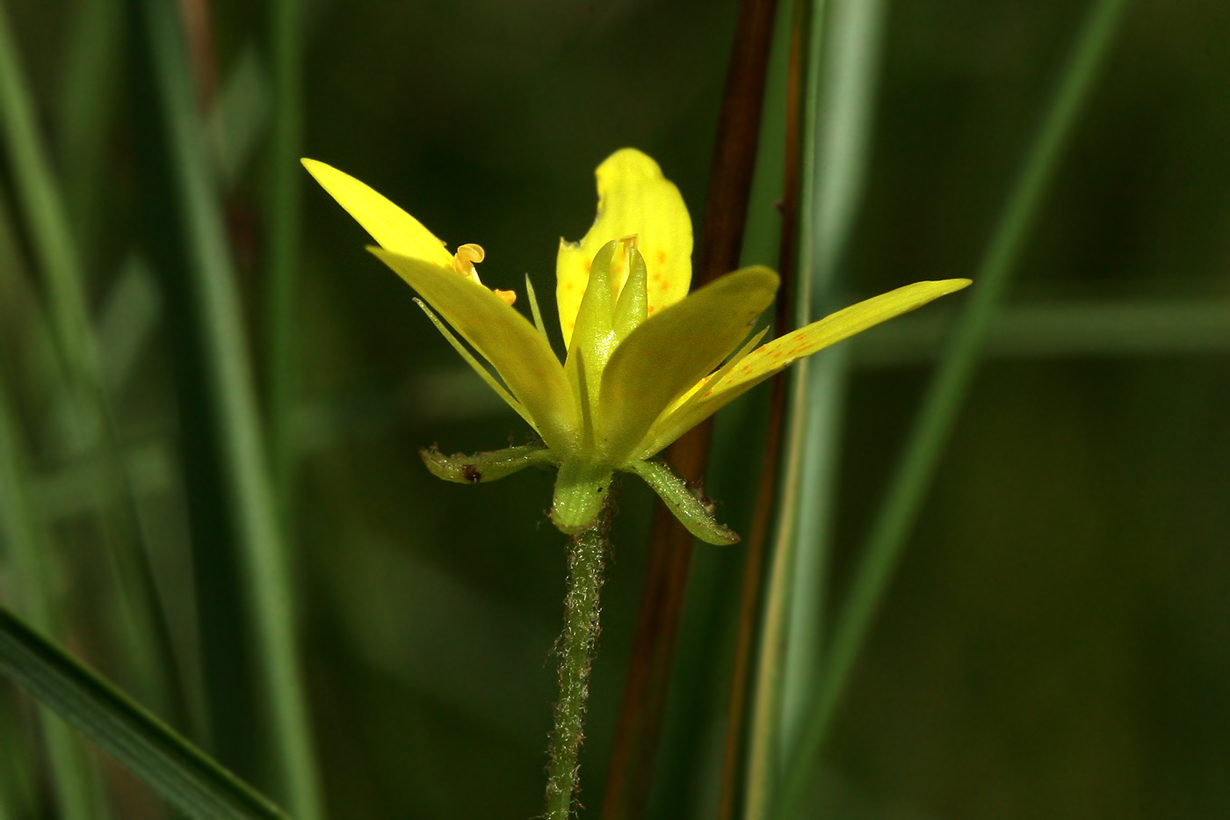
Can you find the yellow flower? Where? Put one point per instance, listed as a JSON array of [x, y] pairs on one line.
[[646, 360]]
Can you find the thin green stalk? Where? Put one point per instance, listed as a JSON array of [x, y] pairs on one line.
[[759, 760], [85, 108], [790, 25], [189, 779], [943, 398], [42, 206], [282, 220], [843, 54], [21, 539], [237, 441], [842, 141], [75, 783], [819, 398], [18, 781], [586, 562], [24, 322], [141, 626]]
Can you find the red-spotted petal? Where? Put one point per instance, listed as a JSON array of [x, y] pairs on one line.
[[634, 199]]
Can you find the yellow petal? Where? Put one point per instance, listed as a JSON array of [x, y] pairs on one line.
[[478, 367], [700, 391], [671, 351], [634, 199], [390, 226], [778, 354], [504, 337]]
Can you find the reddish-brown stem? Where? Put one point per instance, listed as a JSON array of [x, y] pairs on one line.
[[721, 242], [756, 557]]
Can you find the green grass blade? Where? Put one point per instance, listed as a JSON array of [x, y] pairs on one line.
[[85, 113], [176, 769], [282, 219], [238, 447], [842, 139], [41, 204], [761, 754], [943, 398], [789, 43], [18, 783], [26, 549], [91, 430], [842, 57], [23, 322]]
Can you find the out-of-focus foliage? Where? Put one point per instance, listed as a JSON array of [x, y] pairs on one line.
[[1056, 642]]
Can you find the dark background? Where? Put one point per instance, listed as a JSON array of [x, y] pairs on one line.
[[1055, 642]]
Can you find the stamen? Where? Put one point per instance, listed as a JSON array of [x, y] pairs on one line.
[[464, 260]]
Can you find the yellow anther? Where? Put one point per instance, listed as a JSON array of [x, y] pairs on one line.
[[464, 260], [466, 257]]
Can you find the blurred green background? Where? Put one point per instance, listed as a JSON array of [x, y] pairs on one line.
[[1057, 639]]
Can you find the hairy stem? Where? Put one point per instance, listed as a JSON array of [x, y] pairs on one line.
[[586, 561]]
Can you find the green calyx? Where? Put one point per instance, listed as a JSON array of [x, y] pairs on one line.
[[693, 510], [582, 486], [477, 468], [580, 491]]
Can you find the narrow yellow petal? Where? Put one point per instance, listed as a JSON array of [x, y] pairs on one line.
[[475, 365], [634, 199], [780, 353], [671, 351], [502, 336], [391, 227], [699, 391]]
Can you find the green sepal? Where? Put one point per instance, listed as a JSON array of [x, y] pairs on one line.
[[477, 468], [633, 305], [693, 510], [580, 491], [593, 338]]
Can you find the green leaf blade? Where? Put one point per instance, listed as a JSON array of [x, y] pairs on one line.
[[184, 775]]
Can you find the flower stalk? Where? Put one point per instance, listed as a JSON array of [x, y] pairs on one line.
[[586, 563]]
